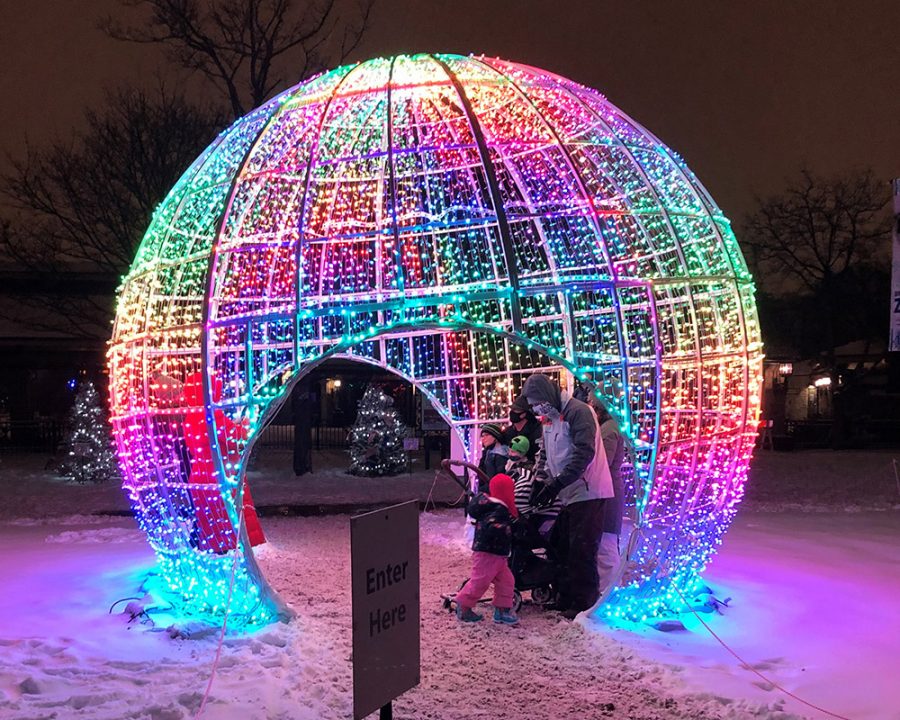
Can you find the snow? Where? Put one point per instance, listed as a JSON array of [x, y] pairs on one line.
[[814, 591], [814, 602]]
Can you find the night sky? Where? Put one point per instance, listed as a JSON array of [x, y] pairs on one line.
[[747, 92]]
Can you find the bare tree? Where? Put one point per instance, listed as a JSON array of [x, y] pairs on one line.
[[75, 212], [818, 253], [249, 48], [823, 271], [817, 230]]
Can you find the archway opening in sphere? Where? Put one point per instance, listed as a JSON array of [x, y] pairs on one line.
[[350, 434], [458, 386], [459, 390]]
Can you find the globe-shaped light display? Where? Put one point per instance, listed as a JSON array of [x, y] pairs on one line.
[[463, 222]]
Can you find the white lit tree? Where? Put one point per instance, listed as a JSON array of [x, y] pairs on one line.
[[376, 440], [88, 442]]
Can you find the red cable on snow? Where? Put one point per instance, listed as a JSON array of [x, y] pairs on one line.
[[751, 668]]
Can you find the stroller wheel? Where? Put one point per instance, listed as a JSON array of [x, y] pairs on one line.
[[541, 595], [517, 601]]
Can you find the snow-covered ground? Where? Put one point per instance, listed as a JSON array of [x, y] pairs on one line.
[[815, 591]]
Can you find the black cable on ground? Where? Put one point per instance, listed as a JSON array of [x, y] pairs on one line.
[[118, 601], [749, 667]]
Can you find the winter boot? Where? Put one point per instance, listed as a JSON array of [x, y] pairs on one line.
[[505, 616], [467, 615]]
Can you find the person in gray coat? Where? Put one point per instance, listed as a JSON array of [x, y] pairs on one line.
[[572, 466]]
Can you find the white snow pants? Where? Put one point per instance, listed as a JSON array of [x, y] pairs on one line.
[[607, 559]]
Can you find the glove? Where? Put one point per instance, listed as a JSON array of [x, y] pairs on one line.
[[543, 494]]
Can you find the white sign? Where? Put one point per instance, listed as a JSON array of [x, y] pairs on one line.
[[384, 564]]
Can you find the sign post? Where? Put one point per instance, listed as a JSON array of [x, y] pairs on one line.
[[894, 340], [384, 563]]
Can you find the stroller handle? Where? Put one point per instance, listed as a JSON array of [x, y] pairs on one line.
[[447, 464]]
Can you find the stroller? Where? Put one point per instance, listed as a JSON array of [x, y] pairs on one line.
[[529, 561]]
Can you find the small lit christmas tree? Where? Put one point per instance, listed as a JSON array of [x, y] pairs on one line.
[[376, 440], [90, 457]]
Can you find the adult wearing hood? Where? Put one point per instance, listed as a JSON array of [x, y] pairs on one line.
[[572, 466]]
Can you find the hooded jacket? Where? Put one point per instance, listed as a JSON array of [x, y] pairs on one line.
[[493, 459], [572, 451], [493, 525]]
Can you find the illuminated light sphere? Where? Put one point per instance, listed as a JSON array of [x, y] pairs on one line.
[[463, 222]]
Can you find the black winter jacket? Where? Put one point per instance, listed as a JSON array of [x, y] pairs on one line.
[[493, 525], [493, 462], [532, 430]]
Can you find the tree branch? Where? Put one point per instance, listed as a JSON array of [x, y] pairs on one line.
[[246, 47]]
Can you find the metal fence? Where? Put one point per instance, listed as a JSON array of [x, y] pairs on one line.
[[46, 436], [859, 433], [33, 436], [281, 437]]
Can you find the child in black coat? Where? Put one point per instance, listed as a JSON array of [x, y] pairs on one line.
[[493, 513]]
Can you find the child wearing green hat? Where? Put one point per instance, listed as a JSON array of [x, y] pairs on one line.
[[521, 469]]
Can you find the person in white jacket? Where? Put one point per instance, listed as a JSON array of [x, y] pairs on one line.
[[614, 446], [572, 466]]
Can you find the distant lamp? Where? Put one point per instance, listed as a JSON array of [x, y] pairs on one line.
[[786, 369], [823, 382], [337, 383]]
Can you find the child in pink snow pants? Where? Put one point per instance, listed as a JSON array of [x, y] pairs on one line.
[[493, 514]]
